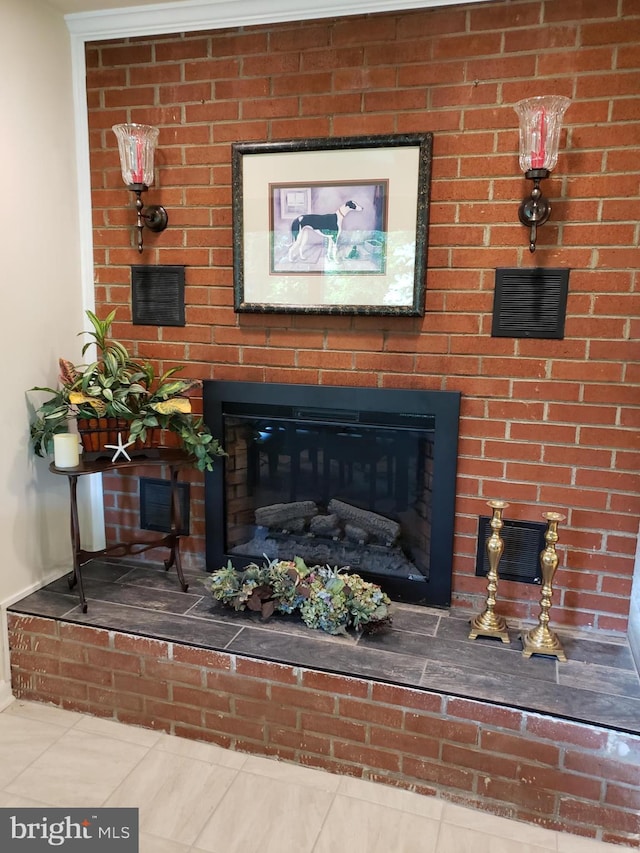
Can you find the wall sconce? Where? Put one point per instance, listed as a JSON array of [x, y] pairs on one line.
[[540, 126], [136, 144]]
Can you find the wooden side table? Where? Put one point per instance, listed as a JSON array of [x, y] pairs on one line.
[[175, 460]]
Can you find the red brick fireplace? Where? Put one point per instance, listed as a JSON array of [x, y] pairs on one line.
[[544, 423]]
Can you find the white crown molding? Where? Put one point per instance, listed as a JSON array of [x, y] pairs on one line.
[[195, 15]]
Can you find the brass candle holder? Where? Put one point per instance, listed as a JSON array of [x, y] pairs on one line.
[[541, 640], [488, 623]]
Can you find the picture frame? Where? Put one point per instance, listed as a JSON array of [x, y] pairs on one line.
[[332, 226]]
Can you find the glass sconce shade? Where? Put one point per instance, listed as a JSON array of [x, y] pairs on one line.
[[136, 144], [540, 126]]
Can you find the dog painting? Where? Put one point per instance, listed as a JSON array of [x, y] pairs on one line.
[[327, 225], [326, 229], [333, 225]]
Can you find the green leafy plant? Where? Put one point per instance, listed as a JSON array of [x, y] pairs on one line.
[[118, 386], [331, 599]]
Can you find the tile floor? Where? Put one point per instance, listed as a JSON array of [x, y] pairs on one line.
[[199, 798], [426, 647]]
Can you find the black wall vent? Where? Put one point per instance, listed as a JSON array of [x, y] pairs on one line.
[[157, 295], [523, 542], [530, 303], [155, 505]]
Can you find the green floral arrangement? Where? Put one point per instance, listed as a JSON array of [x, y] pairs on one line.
[[119, 386], [328, 598]]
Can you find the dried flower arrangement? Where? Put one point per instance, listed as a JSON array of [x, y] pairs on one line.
[[328, 598]]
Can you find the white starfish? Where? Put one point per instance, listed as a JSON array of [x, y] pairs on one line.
[[120, 448]]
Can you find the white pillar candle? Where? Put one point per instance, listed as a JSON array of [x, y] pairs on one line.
[[66, 452]]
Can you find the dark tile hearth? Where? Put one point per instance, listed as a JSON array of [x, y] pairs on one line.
[[425, 648]]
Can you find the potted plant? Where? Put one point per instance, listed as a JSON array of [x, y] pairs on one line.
[[119, 393]]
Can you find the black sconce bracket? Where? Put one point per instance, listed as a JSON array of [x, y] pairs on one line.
[[534, 210], [154, 216]]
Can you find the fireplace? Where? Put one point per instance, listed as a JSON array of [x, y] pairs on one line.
[[357, 477]]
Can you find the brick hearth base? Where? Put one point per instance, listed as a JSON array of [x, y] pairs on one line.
[[563, 775]]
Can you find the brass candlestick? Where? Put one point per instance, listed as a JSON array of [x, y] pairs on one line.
[[541, 640], [488, 623]]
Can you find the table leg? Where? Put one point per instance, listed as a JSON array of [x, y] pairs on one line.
[[176, 524], [76, 576]]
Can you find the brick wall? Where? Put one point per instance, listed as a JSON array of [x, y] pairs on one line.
[[559, 774], [545, 424]]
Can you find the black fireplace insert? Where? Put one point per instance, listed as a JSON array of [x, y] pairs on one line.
[[362, 478]]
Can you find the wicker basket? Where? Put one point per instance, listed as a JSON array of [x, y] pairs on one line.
[[96, 433]]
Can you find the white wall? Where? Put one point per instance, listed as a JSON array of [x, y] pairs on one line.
[[40, 281]]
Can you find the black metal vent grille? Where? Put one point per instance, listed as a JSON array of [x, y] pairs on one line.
[[155, 505], [157, 295], [523, 542], [530, 303]]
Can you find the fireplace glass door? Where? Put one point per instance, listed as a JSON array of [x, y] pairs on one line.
[[364, 488], [332, 493]]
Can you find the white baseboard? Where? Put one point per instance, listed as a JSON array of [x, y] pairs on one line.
[[52, 575], [6, 696], [5, 663]]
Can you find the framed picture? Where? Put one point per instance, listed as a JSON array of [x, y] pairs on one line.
[[332, 226]]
